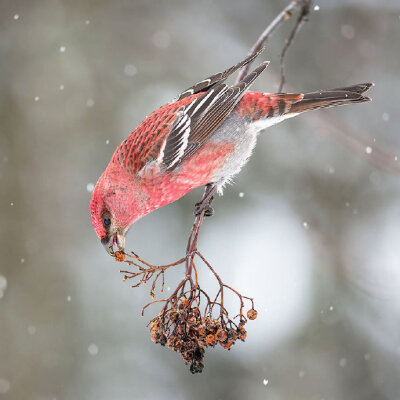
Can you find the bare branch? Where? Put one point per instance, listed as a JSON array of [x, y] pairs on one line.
[[303, 17], [284, 15], [180, 324]]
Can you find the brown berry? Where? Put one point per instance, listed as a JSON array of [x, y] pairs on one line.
[[211, 340], [196, 367], [252, 314], [227, 345], [119, 256], [242, 333], [222, 336]]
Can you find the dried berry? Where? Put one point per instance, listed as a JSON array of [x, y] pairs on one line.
[[211, 340], [120, 256], [222, 336], [227, 345], [252, 314], [242, 333], [185, 324], [196, 367]]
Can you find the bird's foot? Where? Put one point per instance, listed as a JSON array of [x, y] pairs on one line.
[[204, 204], [200, 207]]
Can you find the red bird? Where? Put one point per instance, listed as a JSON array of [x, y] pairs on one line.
[[204, 136]]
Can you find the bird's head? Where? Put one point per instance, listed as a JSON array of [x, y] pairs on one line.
[[110, 208]]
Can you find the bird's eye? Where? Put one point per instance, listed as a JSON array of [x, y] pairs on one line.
[[106, 221]]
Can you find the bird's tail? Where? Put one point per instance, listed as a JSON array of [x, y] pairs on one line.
[[266, 109], [330, 98]]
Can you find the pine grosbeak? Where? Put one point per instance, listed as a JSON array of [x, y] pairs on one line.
[[204, 136]]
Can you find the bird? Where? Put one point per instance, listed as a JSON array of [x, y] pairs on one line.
[[202, 137]]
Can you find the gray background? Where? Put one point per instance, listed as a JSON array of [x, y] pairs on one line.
[[315, 238]]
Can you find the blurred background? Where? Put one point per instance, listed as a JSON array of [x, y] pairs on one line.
[[310, 229]]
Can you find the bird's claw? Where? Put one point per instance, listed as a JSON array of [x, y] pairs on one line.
[[209, 211], [200, 207]]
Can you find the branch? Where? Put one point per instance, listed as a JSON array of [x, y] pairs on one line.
[[180, 324], [303, 17], [284, 15]]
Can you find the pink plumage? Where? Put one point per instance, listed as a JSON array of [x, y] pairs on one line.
[[205, 136]]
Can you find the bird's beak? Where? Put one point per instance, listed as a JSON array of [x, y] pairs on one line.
[[115, 242]]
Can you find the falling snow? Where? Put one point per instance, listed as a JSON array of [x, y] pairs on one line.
[[130, 70], [347, 31], [93, 349], [31, 332]]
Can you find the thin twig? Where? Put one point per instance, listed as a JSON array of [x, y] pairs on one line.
[[303, 16], [284, 15], [198, 221]]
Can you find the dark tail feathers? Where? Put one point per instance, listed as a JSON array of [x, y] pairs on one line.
[[333, 97]]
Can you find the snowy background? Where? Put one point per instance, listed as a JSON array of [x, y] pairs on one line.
[[314, 238]]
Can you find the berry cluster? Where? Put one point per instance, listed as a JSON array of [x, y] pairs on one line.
[[186, 331], [180, 324]]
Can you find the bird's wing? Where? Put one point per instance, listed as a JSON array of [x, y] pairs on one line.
[[218, 78], [201, 117], [173, 132]]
